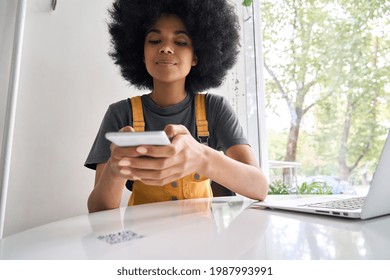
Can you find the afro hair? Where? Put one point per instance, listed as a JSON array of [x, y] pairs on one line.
[[212, 24]]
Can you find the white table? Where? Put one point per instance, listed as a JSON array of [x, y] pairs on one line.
[[224, 228]]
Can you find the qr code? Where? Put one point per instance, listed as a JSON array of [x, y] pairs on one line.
[[119, 237]]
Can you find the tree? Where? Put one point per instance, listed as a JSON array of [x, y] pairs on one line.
[[328, 56], [365, 83], [296, 42]]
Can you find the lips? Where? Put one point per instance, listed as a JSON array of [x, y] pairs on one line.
[[166, 62]]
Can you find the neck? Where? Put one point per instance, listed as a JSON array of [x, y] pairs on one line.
[[165, 95]]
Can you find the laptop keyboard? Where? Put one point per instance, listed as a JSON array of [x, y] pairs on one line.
[[346, 204]]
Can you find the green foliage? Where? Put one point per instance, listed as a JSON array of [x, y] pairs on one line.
[[331, 61], [314, 188], [277, 187]]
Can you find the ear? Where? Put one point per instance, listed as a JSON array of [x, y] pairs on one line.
[[194, 61]]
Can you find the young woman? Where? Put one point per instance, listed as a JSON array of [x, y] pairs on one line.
[[174, 48]]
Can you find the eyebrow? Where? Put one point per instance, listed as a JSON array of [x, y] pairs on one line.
[[178, 32]]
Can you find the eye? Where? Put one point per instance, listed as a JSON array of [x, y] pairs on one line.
[[154, 42], [180, 43]]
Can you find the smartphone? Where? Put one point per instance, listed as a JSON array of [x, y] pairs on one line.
[[129, 139]]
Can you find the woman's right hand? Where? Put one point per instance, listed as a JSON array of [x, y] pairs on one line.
[[120, 158], [110, 178]]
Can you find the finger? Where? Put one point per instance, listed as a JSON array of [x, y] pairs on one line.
[[116, 151], [124, 152], [145, 172], [163, 180], [127, 129], [159, 179], [166, 151], [173, 130], [127, 173], [148, 163]]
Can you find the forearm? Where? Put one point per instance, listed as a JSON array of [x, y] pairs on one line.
[[107, 193], [242, 178]]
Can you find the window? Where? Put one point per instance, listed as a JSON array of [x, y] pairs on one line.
[[327, 90]]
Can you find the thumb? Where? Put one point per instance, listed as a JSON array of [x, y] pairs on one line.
[[173, 130], [127, 129]]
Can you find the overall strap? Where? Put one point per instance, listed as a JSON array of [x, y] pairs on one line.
[[138, 114], [200, 116], [201, 120]]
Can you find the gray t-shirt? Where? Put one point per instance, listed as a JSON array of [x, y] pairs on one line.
[[224, 127]]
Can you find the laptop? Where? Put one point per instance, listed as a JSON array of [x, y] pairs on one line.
[[375, 203]]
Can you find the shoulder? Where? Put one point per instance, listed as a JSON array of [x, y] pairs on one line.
[[119, 109], [215, 100], [120, 105], [218, 109], [217, 103], [118, 114]]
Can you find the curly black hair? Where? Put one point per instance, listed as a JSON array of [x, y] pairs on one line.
[[212, 24]]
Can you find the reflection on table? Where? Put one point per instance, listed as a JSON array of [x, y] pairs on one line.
[[221, 228]]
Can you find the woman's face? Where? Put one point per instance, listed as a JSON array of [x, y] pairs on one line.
[[168, 50]]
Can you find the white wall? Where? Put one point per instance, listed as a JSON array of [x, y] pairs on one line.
[[67, 81]]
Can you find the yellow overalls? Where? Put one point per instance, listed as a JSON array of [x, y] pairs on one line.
[[191, 186]]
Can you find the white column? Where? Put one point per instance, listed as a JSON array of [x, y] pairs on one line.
[[9, 122]]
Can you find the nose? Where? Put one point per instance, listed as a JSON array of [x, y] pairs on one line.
[[166, 49]]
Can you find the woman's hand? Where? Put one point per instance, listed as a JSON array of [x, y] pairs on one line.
[[159, 165], [120, 157]]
